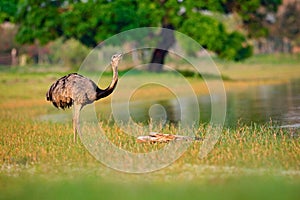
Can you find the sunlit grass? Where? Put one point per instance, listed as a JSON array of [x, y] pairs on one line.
[[47, 164], [38, 157], [26, 141]]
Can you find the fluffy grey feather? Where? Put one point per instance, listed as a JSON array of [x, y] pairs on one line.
[[75, 89]]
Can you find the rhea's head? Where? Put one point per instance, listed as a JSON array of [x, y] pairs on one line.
[[115, 59]]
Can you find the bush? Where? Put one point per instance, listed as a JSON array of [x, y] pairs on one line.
[[229, 46], [70, 53]]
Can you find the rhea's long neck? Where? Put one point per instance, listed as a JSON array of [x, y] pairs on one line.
[[104, 93]]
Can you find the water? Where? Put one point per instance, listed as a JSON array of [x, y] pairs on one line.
[[258, 104]]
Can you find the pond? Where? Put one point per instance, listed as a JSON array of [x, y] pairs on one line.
[[279, 103], [258, 104]]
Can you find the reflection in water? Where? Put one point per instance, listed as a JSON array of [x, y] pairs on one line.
[[260, 104], [142, 111], [280, 103]]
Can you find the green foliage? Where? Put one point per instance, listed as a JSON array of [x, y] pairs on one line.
[[91, 22], [207, 31], [81, 23], [211, 34], [235, 47], [8, 10], [38, 20]]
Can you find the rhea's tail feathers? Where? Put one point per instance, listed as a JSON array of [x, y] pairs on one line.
[[58, 99]]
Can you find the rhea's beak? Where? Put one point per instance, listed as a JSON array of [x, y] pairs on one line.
[[120, 55]]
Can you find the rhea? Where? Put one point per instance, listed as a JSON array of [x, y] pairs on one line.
[[77, 90]]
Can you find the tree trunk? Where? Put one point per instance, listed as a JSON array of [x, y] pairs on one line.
[[167, 39]]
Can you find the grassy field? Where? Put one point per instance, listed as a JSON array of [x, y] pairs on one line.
[[38, 159]]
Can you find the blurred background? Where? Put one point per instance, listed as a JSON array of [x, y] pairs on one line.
[[254, 44], [61, 33]]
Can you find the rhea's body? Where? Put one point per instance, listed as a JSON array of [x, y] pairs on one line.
[[78, 91]]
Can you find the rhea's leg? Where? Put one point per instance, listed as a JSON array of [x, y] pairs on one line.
[[74, 128], [77, 109]]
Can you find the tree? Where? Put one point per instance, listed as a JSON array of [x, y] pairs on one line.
[[94, 21], [8, 10]]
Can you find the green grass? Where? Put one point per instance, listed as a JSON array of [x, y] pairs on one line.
[[262, 67], [38, 159], [92, 188]]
